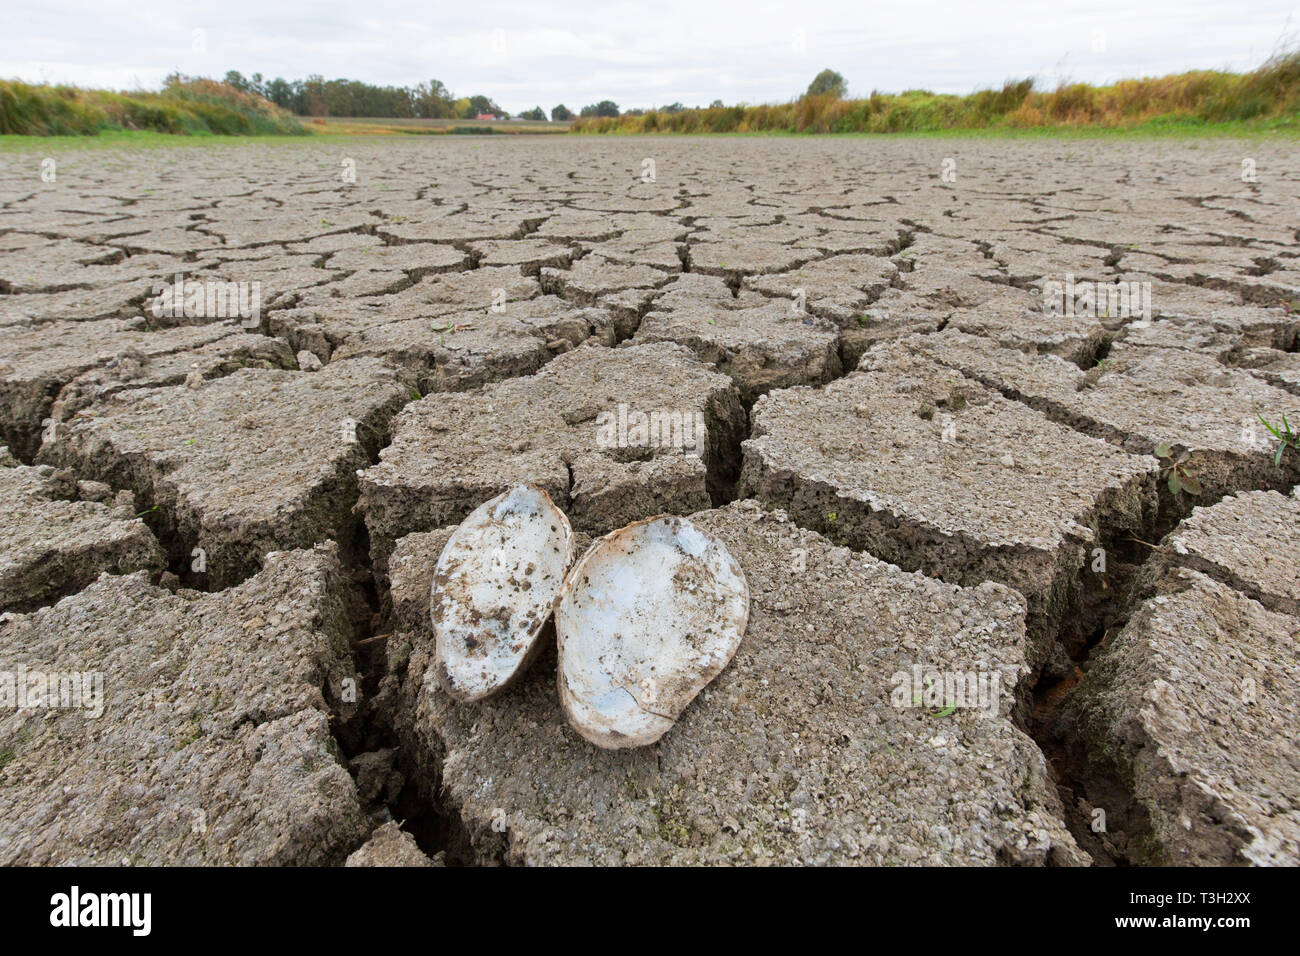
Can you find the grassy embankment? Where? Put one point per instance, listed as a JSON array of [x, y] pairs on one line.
[[184, 105], [1264, 100]]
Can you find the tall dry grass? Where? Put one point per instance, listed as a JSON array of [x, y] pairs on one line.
[[1270, 92], [186, 105]]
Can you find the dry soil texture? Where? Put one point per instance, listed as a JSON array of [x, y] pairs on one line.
[[979, 419]]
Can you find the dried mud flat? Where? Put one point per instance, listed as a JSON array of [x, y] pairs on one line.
[[221, 527]]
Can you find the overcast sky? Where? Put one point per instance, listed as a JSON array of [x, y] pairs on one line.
[[650, 52]]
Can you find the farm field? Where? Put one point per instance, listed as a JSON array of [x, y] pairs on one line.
[[358, 126]]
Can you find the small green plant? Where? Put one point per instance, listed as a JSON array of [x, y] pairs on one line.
[[830, 516], [1174, 467], [1286, 438], [451, 327]]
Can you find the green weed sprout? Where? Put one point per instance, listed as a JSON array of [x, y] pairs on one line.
[[1286, 438]]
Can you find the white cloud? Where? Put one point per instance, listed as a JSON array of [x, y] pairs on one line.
[[639, 53]]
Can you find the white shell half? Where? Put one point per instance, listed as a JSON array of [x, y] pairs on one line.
[[493, 590], [647, 618]]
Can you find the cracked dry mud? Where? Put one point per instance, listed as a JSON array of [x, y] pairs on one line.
[[220, 529]]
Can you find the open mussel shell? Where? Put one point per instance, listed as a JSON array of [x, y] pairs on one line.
[[647, 617], [493, 590]]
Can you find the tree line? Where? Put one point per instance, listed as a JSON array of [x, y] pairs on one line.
[[317, 96]]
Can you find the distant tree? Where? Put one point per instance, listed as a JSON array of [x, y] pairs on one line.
[[634, 112], [317, 96], [673, 108], [603, 108], [354, 98], [828, 81], [312, 96], [481, 104], [432, 100], [536, 113], [716, 105], [280, 93], [561, 113], [439, 92]]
